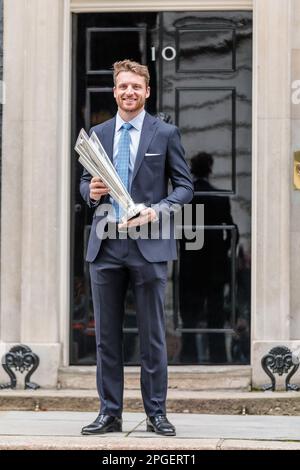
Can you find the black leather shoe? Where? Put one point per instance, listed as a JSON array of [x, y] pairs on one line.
[[160, 425], [103, 424]]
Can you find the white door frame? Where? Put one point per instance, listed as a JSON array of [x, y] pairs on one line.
[[98, 6]]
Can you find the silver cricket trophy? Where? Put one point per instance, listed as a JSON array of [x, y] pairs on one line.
[[96, 161]]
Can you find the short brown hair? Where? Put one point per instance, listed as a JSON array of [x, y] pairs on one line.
[[131, 66]]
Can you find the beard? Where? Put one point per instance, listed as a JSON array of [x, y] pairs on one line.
[[132, 105]]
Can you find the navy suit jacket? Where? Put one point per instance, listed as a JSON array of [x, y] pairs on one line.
[[150, 179]]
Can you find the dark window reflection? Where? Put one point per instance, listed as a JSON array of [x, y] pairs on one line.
[[205, 49], [206, 279], [101, 105], [205, 116], [114, 43]]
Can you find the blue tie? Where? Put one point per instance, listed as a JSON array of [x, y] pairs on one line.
[[122, 165]]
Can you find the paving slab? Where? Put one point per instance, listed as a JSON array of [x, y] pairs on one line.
[[61, 430], [233, 427], [56, 423]]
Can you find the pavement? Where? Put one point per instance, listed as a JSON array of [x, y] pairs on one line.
[[60, 430]]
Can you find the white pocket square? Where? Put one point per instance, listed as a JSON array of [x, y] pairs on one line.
[[151, 154]]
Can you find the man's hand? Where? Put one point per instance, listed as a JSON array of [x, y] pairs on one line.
[[146, 215], [97, 189]]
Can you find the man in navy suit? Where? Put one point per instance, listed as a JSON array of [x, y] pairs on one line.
[[156, 157]]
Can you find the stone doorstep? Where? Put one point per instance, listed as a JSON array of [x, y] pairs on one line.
[[179, 401], [179, 378]]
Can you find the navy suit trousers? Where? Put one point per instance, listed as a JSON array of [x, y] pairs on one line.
[[118, 262]]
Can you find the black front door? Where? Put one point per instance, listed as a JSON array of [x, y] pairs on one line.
[[200, 67]]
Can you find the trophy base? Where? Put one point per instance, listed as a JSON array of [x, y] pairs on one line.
[[133, 212]]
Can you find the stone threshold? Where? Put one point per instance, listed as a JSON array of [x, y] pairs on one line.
[[179, 378], [179, 401]]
